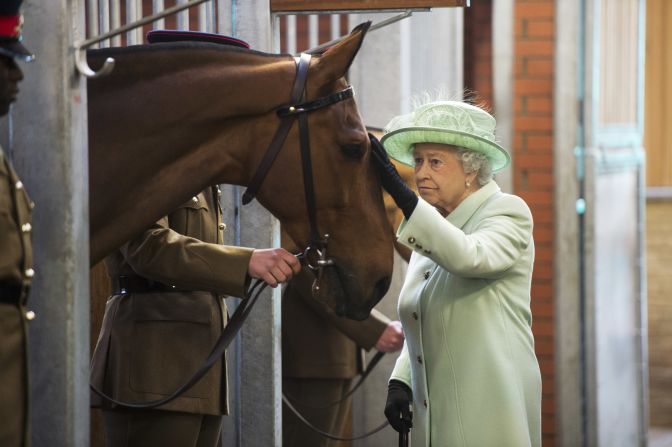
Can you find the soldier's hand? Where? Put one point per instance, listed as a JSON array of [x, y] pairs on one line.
[[392, 338], [273, 265]]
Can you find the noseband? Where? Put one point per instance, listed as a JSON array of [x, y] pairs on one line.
[[314, 255]]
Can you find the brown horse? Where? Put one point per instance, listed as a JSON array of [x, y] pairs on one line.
[[173, 118]]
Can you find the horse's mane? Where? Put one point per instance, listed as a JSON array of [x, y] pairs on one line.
[[179, 46]]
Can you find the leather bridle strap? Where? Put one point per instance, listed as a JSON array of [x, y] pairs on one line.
[[280, 134], [372, 364], [224, 340], [308, 424]]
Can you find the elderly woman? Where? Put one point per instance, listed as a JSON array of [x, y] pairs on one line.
[[468, 365]]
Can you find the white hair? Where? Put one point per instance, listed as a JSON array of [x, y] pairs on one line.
[[473, 161]]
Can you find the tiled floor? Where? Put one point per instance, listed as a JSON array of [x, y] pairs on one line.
[[660, 437]]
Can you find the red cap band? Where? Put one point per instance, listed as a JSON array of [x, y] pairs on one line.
[[10, 26]]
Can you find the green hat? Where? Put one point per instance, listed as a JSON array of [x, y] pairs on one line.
[[446, 122]]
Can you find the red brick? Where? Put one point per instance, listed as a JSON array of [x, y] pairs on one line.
[[540, 291], [543, 270], [539, 29], [541, 179], [547, 367], [533, 86], [537, 160], [541, 105], [539, 67], [548, 439], [543, 327], [543, 216], [535, 10], [542, 346], [539, 141], [533, 123], [536, 47], [540, 310], [548, 426]]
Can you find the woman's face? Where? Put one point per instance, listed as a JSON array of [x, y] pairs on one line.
[[440, 176]]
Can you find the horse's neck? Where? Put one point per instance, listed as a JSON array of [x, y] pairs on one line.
[[165, 125], [203, 106]]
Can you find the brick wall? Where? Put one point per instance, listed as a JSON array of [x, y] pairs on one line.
[[532, 152]]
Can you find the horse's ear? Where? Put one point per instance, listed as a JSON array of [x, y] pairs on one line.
[[336, 60]]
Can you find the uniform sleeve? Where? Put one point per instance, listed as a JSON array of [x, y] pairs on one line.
[[501, 236], [364, 333], [164, 255], [402, 368]]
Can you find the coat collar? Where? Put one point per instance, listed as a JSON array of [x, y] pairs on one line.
[[468, 207]]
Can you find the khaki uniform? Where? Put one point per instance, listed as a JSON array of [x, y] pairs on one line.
[[321, 354], [16, 272], [151, 343]]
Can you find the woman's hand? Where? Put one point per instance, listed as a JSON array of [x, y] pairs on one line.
[[392, 182], [398, 406]]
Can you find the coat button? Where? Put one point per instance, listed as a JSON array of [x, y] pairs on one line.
[[18, 185], [222, 226], [420, 359], [411, 240], [428, 252], [418, 246], [26, 227], [30, 315], [425, 403], [415, 315], [426, 274], [219, 191], [32, 205], [194, 199], [29, 273]]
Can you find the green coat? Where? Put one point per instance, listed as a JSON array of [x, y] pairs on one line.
[[465, 308], [16, 270]]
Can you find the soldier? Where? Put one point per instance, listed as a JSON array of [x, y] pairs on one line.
[[16, 260], [321, 355]]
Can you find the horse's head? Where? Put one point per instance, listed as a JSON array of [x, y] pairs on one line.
[[348, 198]]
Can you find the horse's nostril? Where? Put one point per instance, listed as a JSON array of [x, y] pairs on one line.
[[382, 286]]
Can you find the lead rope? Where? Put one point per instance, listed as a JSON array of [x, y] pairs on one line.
[[227, 335]]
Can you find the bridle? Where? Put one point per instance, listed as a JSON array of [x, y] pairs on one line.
[[314, 256]]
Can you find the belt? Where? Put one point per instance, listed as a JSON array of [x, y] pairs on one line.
[[124, 284], [10, 294]]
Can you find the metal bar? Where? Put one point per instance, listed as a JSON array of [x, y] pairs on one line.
[[290, 33], [182, 17], [104, 20], [145, 20], [131, 16], [313, 32], [373, 27], [92, 17], [335, 26], [352, 11], [116, 22], [157, 6]]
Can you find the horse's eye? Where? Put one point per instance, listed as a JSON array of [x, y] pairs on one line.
[[352, 150]]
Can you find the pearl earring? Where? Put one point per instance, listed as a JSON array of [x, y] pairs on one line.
[[467, 184]]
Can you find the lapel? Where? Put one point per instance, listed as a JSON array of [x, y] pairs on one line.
[[468, 207]]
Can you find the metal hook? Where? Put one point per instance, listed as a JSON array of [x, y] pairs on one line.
[[83, 65]]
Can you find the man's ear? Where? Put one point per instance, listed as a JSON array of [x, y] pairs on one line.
[[335, 61]]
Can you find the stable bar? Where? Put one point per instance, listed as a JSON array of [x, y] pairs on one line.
[[314, 6]]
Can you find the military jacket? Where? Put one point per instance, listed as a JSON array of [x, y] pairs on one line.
[[151, 343], [16, 272]]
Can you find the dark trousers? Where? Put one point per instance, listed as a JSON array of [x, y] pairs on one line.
[[336, 420], [150, 428]]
